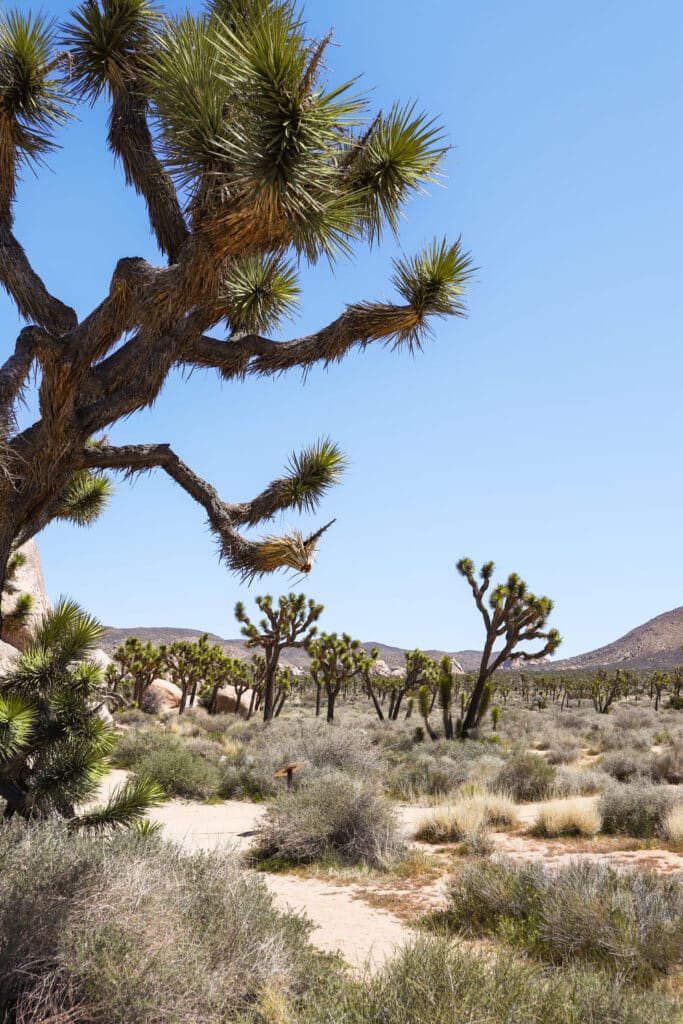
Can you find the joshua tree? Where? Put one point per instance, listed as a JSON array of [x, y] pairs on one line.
[[248, 163], [140, 662], [420, 669], [424, 701], [188, 664], [446, 685], [290, 623], [335, 661], [53, 744], [512, 616]]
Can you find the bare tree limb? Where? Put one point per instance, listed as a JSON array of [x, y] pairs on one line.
[[25, 287]]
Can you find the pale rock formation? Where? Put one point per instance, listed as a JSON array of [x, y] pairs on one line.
[[161, 695], [28, 580], [226, 701]]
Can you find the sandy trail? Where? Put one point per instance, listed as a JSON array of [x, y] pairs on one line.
[[343, 920]]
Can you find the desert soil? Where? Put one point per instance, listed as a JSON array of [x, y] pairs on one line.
[[352, 917]]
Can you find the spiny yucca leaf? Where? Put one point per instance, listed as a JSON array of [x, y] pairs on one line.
[[433, 283], [312, 472], [399, 155], [85, 497], [32, 100], [260, 292], [67, 633], [108, 44], [16, 721], [18, 615], [127, 805]]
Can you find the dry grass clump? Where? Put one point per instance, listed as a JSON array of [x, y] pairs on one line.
[[333, 817], [418, 774], [578, 782], [134, 931], [626, 922], [568, 818], [468, 821], [636, 808], [672, 824]]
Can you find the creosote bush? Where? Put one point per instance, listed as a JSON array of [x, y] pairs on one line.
[[526, 777], [133, 931], [332, 817], [629, 922], [186, 768]]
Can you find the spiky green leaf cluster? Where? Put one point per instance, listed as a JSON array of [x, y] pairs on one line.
[[109, 42], [311, 472], [85, 497], [433, 283], [32, 99], [259, 293], [53, 744]]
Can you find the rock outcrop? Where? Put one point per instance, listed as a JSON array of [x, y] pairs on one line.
[[161, 695], [226, 702], [28, 580], [8, 655]]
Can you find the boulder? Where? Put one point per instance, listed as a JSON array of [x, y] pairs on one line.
[[28, 580], [226, 701], [101, 659], [161, 695], [8, 655], [380, 668]]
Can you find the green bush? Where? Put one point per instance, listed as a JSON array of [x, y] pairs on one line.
[[133, 931], [420, 774], [526, 777], [635, 809], [628, 922], [182, 768], [332, 816], [432, 981]]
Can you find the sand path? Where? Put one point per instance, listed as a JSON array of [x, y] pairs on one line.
[[343, 920]]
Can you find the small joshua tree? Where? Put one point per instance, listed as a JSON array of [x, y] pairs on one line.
[[188, 665], [53, 744], [287, 624], [140, 663], [335, 661], [420, 668], [424, 702], [512, 616]]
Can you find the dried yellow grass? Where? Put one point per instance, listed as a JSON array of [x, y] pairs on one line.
[[673, 824], [468, 815], [568, 818]]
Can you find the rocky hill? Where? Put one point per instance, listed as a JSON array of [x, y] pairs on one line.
[[391, 656], [655, 644]]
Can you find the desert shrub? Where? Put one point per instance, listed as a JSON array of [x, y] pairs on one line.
[[578, 782], [667, 764], [432, 981], [187, 769], [130, 931], [333, 816], [418, 775], [526, 777], [624, 766], [673, 824], [323, 748], [568, 818], [131, 716], [635, 808], [630, 922], [562, 754]]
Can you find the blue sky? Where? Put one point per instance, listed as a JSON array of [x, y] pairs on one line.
[[542, 432]]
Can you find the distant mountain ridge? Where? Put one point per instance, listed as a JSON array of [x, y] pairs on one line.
[[655, 644], [393, 656]]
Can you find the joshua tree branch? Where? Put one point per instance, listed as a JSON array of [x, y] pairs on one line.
[[32, 298]]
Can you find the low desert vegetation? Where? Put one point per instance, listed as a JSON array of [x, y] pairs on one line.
[[335, 818], [472, 813], [636, 808], [573, 817], [626, 922]]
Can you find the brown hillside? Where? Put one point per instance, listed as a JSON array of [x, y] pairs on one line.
[[655, 644]]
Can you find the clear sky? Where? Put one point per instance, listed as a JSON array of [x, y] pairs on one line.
[[543, 432]]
